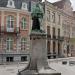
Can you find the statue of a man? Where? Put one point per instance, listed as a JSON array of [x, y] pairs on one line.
[[37, 16]]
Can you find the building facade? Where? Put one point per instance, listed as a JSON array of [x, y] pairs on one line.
[[53, 27], [15, 26], [73, 36], [68, 26], [14, 31], [60, 26]]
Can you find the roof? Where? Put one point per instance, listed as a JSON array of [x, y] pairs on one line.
[[18, 3], [59, 4]]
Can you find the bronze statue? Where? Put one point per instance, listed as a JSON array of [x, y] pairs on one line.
[[38, 64], [37, 16]]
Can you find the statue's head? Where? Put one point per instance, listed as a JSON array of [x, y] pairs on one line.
[[38, 11]]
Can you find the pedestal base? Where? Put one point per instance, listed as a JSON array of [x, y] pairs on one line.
[[41, 72], [38, 64], [48, 72]]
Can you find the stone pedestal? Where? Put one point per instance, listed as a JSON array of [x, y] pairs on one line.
[[38, 57]]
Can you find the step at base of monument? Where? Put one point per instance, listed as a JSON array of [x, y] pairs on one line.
[[50, 74], [33, 72], [28, 72]]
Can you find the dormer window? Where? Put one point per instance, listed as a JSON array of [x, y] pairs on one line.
[[24, 6], [11, 4]]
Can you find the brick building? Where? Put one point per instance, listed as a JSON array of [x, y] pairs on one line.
[[15, 26], [14, 30]]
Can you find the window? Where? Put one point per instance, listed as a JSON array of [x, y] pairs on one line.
[[24, 6], [9, 44], [59, 48], [10, 21], [53, 32], [48, 17], [48, 47], [23, 26], [58, 32], [24, 58], [53, 17], [54, 46], [23, 43], [48, 30], [58, 19], [9, 59]]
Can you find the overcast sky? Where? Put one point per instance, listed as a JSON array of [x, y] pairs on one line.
[[72, 1]]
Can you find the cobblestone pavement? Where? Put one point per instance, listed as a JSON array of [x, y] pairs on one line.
[[12, 69], [63, 69]]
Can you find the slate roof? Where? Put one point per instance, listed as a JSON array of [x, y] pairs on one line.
[[18, 3]]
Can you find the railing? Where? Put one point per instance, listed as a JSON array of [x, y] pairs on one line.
[[10, 30], [5, 51], [60, 38], [13, 51]]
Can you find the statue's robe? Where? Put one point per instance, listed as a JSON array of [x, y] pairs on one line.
[[36, 23]]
